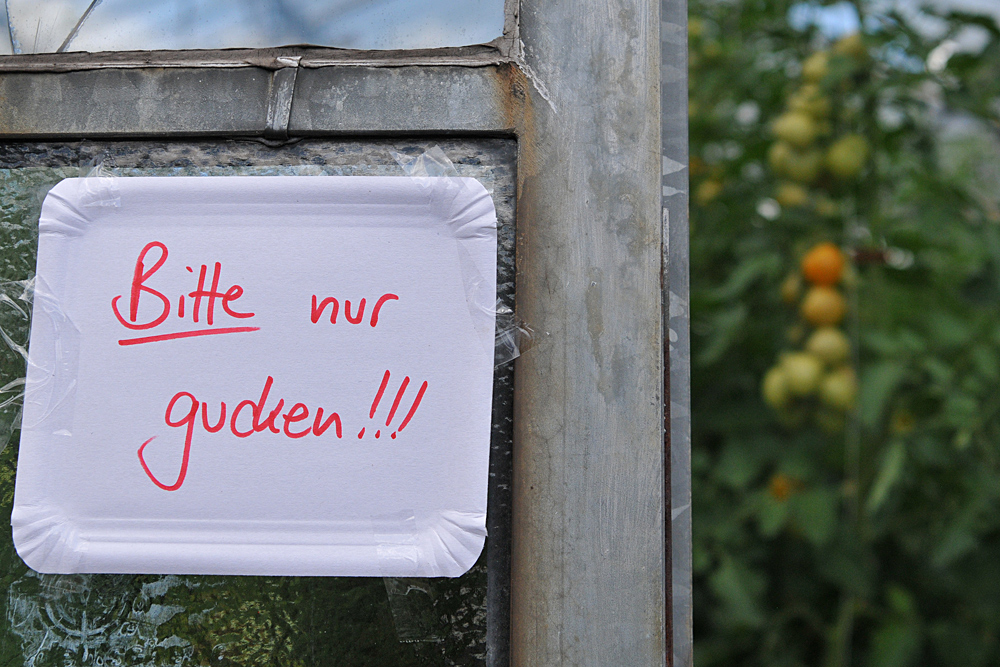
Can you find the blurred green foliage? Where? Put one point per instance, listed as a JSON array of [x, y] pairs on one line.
[[877, 542]]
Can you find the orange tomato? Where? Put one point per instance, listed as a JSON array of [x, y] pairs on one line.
[[824, 264]]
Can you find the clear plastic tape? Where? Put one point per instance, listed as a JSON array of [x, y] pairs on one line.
[[53, 387], [15, 320], [435, 543], [397, 545], [412, 549], [513, 336], [100, 186], [411, 602], [432, 163], [29, 310]]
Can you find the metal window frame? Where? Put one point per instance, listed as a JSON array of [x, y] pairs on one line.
[[601, 256]]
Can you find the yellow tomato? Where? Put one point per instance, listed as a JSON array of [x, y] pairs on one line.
[[791, 288], [778, 155], [823, 306], [811, 100], [804, 166], [826, 207]]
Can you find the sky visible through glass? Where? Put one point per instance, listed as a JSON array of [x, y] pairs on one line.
[[50, 26]]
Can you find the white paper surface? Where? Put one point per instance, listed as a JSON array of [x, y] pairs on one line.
[[125, 464]]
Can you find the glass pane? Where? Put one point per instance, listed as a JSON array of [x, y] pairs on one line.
[[49, 26], [199, 620]]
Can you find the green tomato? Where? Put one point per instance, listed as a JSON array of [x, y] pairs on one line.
[[816, 66], [795, 127], [803, 372], [774, 388], [804, 166], [829, 344], [839, 389], [847, 156]]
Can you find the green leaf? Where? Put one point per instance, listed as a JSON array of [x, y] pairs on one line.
[[888, 475], [746, 274], [895, 644], [739, 589], [878, 383], [738, 465], [940, 371], [726, 325], [961, 409], [772, 515], [949, 330], [881, 342], [815, 513], [957, 542], [900, 600]]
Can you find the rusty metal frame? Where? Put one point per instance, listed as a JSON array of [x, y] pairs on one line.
[[579, 86]]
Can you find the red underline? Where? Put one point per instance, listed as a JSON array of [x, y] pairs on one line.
[[185, 334]]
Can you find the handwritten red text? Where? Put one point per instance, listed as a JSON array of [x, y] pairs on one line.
[[248, 417], [204, 295], [355, 317]]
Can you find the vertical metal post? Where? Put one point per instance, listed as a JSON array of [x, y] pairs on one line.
[[589, 552]]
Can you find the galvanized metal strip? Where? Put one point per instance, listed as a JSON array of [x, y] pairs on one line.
[[147, 102], [279, 106], [589, 548], [243, 102], [675, 175], [479, 55], [402, 99]]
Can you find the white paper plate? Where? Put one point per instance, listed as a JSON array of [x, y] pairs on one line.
[[119, 469]]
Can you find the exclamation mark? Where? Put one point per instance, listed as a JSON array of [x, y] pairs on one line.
[[378, 397], [413, 409]]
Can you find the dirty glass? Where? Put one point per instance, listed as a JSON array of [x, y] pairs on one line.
[[50, 26], [154, 620]]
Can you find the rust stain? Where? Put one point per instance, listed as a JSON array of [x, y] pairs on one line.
[[513, 100], [4, 114], [511, 91]]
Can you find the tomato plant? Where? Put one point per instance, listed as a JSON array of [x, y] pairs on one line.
[[845, 253]]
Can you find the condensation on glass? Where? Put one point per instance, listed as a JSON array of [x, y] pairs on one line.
[[50, 26], [105, 620]]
